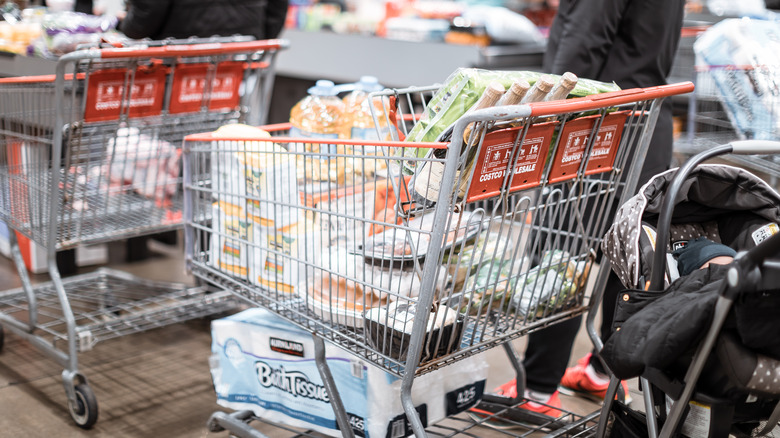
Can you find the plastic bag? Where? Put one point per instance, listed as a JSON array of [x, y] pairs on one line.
[[742, 59], [503, 25]]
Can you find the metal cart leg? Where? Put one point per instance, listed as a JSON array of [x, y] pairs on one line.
[[82, 403], [330, 385], [16, 255]]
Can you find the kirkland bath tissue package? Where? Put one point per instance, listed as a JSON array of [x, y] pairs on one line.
[[264, 363]]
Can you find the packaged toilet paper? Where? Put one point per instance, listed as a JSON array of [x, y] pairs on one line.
[[264, 363]]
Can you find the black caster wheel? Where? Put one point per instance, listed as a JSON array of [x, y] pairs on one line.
[[85, 411]]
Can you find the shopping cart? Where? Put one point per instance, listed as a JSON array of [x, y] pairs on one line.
[[411, 255], [92, 154], [718, 112]]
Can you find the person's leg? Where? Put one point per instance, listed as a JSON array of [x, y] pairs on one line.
[[547, 355]]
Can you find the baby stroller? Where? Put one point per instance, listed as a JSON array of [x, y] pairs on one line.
[[706, 346]]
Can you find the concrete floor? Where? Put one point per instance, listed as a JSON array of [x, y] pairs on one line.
[[154, 384]]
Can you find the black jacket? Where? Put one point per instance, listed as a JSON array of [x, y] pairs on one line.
[[660, 330], [630, 42], [159, 19]]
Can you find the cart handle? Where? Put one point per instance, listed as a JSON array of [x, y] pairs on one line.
[[203, 49], [211, 136], [614, 98], [755, 147]]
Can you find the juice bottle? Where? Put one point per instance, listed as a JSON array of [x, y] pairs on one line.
[[358, 121], [318, 115], [358, 124]]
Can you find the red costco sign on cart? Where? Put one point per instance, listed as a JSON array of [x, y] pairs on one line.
[[107, 98], [493, 160], [189, 87], [574, 141]]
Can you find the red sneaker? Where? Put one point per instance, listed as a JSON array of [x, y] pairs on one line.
[[550, 407], [578, 382]]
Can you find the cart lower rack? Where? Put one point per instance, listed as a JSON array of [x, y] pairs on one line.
[[415, 256], [92, 154]]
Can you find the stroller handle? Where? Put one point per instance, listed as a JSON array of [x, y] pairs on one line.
[[755, 147]]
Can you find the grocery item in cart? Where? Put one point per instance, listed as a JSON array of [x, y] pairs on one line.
[[231, 241], [148, 164], [464, 87], [565, 85], [265, 364], [337, 291], [341, 215], [319, 115], [257, 174], [281, 253], [507, 285], [358, 123], [742, 58], [397, 247], [389, 329]]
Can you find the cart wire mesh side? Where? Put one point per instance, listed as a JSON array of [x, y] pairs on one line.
[[92, 154], [731, 102], [410, 255]]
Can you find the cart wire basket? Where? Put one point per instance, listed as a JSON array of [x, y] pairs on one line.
[[731, 102], [92, 154], [414, 255]]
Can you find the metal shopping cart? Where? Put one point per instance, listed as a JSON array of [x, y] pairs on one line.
[[414, 256], [92, 154], [731, 102]]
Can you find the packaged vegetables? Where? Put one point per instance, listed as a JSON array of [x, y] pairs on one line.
[[506, 285]]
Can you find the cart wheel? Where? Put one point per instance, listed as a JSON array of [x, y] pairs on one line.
[[85, 411]]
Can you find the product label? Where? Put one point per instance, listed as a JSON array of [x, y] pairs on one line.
[[286, 347], [400, 427], [574, 142], [464, 397], [204, 85], [497, 150], [765, 232], [697, 422], [292, 387], [107, 96], [229, 239]]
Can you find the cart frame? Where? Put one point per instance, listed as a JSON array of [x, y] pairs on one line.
[[41, 182], [640, 118]]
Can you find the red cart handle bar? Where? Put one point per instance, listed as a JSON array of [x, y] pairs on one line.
[[204, 49]]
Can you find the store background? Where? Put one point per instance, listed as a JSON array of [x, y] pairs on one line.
[[158, 383]]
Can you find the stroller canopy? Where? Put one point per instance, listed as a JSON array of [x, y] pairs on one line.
[[724, 203]]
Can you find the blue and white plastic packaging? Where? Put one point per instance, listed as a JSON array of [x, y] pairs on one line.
[[264, 363]]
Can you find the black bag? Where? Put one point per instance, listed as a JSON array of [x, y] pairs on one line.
[[624, 422]]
